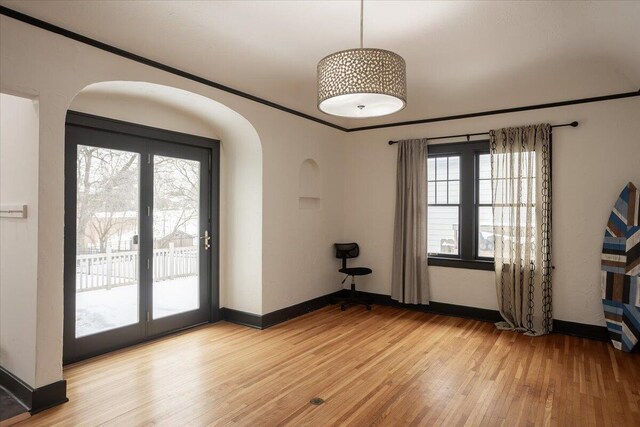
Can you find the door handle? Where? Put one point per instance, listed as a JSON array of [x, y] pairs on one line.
[[206, 239]]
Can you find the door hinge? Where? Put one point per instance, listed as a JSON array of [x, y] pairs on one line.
[[148, 317], [148, 263], [148, 210], [149, 158]]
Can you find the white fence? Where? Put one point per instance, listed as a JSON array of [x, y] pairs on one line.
[[109, 270]]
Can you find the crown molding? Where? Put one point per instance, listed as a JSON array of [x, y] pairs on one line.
[[27, 19]]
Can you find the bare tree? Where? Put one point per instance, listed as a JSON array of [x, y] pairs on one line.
[[108, 182], [176, 189]]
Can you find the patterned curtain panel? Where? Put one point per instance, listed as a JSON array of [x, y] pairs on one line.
[[521, 197], [409, 270]]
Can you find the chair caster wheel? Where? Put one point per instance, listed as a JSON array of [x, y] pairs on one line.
[[368, 308], [343, 308]]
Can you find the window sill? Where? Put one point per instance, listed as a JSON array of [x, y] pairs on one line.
[[461, 263]]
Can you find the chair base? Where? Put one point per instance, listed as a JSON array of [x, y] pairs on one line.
[[352, 299]]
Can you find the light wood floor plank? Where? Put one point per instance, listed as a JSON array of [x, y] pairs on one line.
[[387, 367]]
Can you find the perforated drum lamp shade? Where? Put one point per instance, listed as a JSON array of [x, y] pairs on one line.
[[362, 83]]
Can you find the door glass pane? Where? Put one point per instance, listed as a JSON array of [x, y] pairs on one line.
[[176, 232], [107, 252]]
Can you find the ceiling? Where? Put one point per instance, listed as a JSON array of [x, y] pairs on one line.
[[461, 57]]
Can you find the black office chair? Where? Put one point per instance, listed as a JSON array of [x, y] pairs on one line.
[[351, 250]]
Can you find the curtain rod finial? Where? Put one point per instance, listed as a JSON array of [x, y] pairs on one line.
[[574, 124]]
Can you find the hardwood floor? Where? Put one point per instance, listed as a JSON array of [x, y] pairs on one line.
[[388, 366]]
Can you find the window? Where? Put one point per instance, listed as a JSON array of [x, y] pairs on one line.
[[460, 215], [524, 165], [484, 241], [443, 215]]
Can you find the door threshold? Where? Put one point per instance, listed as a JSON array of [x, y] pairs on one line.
[[141, 343]]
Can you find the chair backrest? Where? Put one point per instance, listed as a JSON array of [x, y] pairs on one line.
[[346, 250]]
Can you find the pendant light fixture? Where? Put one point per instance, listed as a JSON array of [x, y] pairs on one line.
[[361, 83]]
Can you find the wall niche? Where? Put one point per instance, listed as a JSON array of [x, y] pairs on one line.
[[309, 185]]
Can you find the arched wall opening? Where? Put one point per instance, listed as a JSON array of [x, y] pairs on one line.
[[279, 254], [240, 169]]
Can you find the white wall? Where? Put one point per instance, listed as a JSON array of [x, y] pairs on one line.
[[357, 190], [55, 69], [18, 237], [591, 165], [134, 103]]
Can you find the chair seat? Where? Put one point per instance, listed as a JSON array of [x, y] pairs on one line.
[[356, 271]]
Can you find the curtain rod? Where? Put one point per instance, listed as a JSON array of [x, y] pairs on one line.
[[573, 124]]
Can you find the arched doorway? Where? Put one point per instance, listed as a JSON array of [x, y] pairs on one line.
[[123, 247]]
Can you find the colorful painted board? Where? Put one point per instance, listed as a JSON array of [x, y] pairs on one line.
[[620, 267]]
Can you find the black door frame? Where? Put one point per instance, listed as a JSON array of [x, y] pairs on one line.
[[130, 133]]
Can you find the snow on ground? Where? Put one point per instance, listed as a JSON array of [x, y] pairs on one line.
[[103, 309]]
